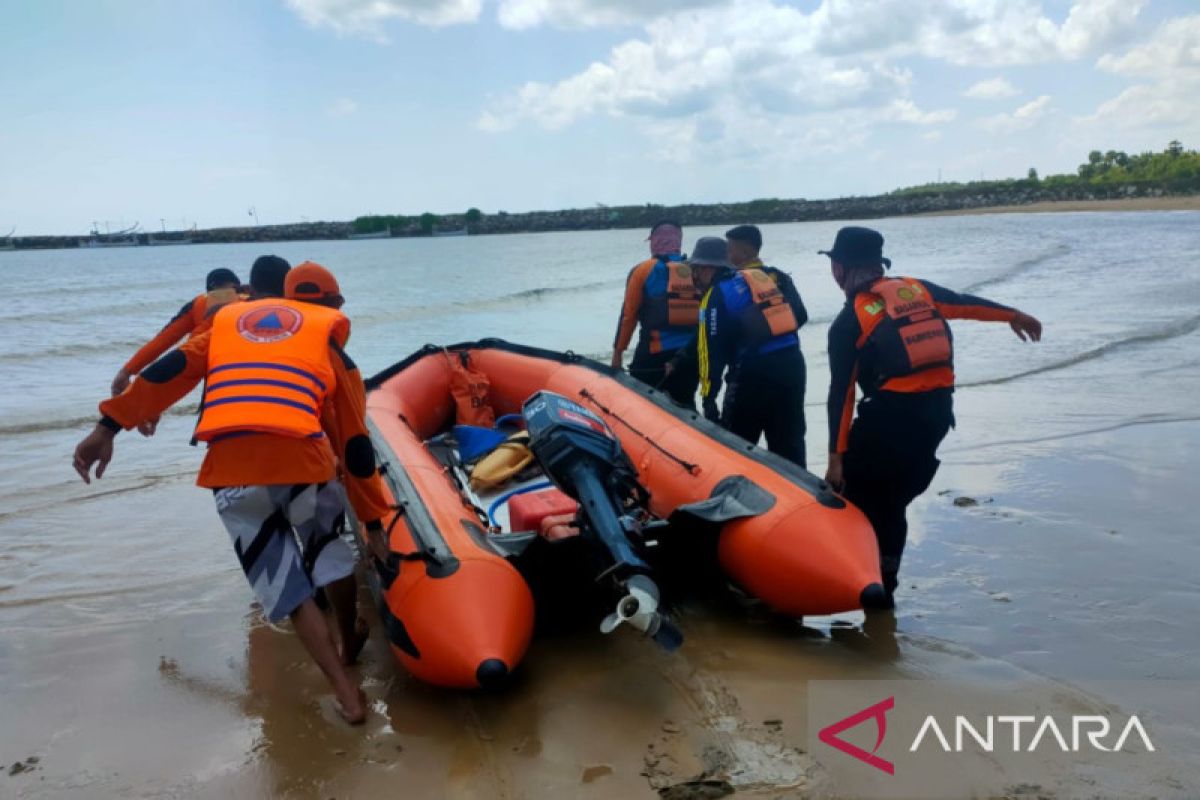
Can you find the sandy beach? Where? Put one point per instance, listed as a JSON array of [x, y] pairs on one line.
[[1173, 203]]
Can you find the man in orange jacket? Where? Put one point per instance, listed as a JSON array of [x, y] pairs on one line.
[[271, 365], [220, 287]]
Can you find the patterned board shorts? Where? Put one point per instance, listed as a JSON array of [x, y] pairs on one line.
[[288, 539]]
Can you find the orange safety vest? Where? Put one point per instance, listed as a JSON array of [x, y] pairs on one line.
[[912, 343], [268, 368], [679, 306], [769, 314]]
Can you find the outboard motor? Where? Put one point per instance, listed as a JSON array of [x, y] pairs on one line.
[[585, 460]]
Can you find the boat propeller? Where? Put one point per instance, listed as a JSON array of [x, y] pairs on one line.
[[639, 608]]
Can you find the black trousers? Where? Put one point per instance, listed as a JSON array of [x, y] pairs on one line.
[[891, 460], [681, 384], [765, 395]]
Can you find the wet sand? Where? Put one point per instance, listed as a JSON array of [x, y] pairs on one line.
[[184, 691], [1181, 203]]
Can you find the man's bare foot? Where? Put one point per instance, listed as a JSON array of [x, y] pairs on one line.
[[349, 650], [354, 712]]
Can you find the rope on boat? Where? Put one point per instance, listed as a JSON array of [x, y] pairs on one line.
[[689, 466]]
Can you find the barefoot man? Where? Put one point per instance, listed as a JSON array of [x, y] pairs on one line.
[[272, 366]]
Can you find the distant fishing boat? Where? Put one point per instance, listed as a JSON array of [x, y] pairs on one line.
[[383, 234], [125, 238], [458, 232], [165, 239]]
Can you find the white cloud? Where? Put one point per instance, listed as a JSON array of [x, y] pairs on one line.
[[1169, 62], [1175, 46], [907, 111], [841, 56], [971, 32], [521, 14], [367, 17], [991, 89], [342, 107], [1023, 118]]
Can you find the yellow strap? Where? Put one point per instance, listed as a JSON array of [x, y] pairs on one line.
[[702, 347]]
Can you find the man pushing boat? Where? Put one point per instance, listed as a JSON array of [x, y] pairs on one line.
[[272, 366]]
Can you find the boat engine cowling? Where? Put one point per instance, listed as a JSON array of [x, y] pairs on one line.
[[582, 456]]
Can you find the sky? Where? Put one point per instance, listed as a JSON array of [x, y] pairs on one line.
[[167, 113]]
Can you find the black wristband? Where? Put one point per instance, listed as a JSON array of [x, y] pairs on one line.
[[375, 525], [110, 423]]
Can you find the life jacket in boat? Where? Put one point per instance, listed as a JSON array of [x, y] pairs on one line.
[[765, 318], [911, 343], [670, 302], [269, 368]]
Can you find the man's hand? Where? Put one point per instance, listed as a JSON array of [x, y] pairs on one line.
[[120, 382], [1024, 326], [96, 448], [377, 541], [833, 473], [617, 358]]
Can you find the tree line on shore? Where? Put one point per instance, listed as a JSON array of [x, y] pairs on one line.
[[1105, 175]]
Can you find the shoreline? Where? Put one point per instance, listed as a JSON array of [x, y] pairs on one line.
[[1165, 203], [630, 218]]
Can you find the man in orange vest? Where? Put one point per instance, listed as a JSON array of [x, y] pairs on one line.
[[271, 366], [749, 322], [892, 338], [661, 301], [220, 287]]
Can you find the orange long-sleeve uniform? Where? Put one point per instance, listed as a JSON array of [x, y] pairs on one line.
[[193, 319], [251, 459]]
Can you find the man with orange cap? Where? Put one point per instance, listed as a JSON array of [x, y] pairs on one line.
[[272, 365]]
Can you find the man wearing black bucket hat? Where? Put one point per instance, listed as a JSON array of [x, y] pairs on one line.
[[749, 316], [892, 338]]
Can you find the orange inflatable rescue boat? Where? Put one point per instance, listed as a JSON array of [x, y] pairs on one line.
[[635, 469]]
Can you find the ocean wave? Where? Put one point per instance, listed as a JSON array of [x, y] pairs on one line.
[[57, 492], [158, 308], [1059, 250], [1172, 331], [69, 423], [73, 350], [1146, 419], [489, 304]]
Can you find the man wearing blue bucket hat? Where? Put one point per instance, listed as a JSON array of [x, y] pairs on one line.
[[892, 338]]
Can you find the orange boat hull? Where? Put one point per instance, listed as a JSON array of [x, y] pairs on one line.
[[461, 615]]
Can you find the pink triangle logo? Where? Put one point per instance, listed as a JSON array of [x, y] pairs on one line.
[[877, 712]]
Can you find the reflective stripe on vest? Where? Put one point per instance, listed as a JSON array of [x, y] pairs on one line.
[[910, 338], [268, 369]]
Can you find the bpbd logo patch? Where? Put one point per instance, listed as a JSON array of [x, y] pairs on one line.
[[269, 324]]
